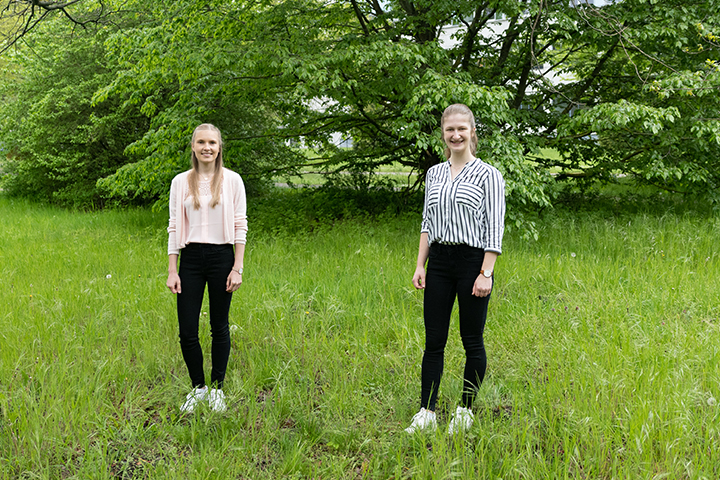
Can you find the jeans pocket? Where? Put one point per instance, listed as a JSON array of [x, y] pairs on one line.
[[472, 254], [220, 254]]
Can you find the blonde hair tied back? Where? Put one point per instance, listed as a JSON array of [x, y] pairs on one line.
[[460, 109]]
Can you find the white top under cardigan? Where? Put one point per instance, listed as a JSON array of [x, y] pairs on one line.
[[226, 225], [468, 210]]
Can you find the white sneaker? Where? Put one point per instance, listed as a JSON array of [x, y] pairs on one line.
[[192, 399], [216, 399], [423, 420], [461, 421]]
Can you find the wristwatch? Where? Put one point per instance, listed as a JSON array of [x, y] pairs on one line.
[[238, 270], [487, 273]]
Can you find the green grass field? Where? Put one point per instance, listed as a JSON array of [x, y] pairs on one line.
[[602, 340]]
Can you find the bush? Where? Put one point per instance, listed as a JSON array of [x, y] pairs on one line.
[[58, 142], [298, 211]]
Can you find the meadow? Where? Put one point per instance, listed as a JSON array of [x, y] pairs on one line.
[[602, 341]]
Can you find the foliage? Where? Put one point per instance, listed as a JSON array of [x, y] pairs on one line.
[[182, 71], [601, 86], [301, 70], [20, 17], [627, 89], [302, 211], [654, 113], [57, 143]]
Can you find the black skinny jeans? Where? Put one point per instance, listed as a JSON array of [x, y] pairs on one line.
[[451, 272], [201, 264]]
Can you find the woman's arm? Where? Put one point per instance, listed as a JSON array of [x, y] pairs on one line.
[[423, 252], [483, 285], [494, 211], [173, 281], [495, 221], [240, 224], [234, 279]]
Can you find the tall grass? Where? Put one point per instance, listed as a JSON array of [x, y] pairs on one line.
[[602, 346]]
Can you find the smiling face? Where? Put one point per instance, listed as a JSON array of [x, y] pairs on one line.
[[206, 146], [458, 132]]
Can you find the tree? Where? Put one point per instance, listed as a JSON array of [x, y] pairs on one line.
[[563, 91], [59, 143], [594, 84], [654, 112], [297, 71], [183, 71]]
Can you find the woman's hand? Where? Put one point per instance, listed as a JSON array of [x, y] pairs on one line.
[[234, 281], [173, 282], [419, 278], [483, 286]]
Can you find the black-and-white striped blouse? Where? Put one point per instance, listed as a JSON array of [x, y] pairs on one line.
[[469, 209]]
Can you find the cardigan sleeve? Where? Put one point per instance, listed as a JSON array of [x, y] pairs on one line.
[[172, 223], [240, 223]]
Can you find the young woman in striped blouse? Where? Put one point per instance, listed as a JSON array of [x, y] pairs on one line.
[[461, 237]]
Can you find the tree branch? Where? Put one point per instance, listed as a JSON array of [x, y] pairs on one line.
[[591, 78], [361, 17], [29, 13], [472, 30], [50, 6]]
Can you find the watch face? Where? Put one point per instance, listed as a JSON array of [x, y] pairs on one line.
[[488, 273]]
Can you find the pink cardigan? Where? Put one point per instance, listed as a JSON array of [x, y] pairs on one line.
[[232, 201]]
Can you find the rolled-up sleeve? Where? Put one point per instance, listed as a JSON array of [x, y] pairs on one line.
[[494, 211], [425, 225]]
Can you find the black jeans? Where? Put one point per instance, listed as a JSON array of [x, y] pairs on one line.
[[451, 272], [201, 264]]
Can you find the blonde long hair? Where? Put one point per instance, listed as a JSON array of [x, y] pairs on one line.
[[193, 176], [460, 109]]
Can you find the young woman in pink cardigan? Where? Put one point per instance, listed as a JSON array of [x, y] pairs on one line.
[[207, 219]]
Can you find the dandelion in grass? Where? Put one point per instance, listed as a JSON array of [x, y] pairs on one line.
[[233, 328], [108, 276], [711, 401], [573, 255]]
